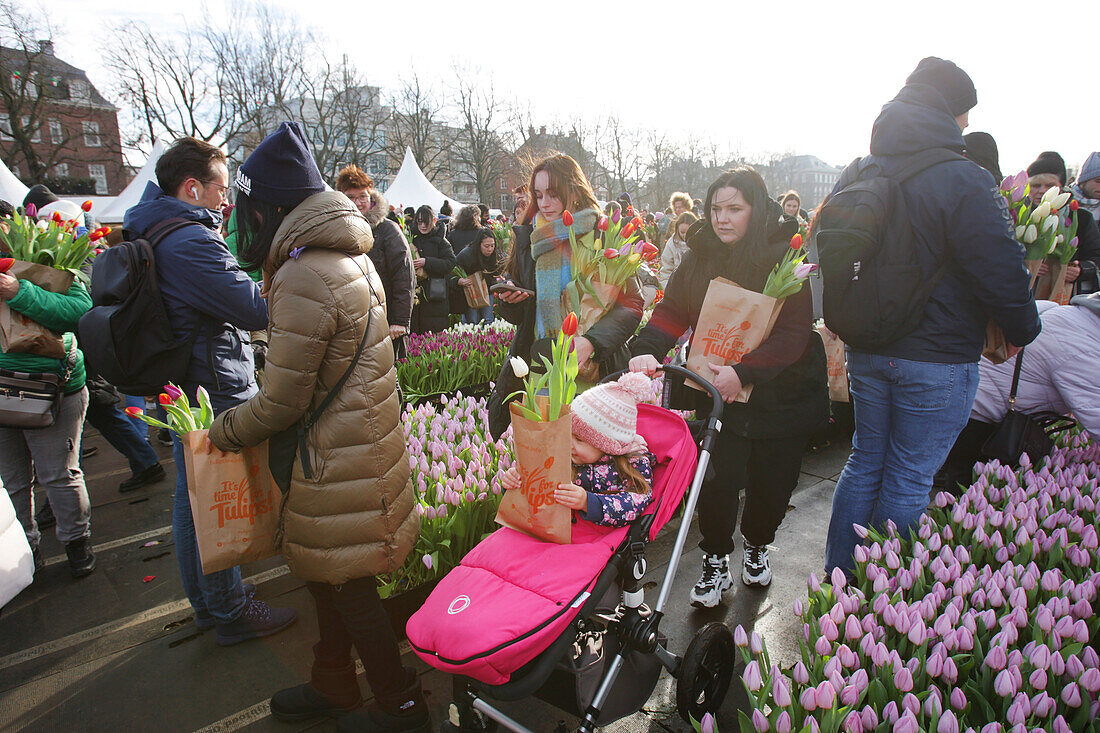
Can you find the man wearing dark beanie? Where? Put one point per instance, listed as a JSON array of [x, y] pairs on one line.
[[913, 389]]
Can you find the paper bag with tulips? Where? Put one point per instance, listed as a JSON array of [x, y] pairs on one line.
[[20, 334], [836, 364]]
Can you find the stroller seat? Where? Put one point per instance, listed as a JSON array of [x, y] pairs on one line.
[[513, 595]]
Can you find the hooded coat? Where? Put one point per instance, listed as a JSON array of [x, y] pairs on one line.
[[958, 218], [355, 517], [439, 260], [790, 393], [391, 260]]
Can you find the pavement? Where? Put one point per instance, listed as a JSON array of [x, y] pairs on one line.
[[119, 651]]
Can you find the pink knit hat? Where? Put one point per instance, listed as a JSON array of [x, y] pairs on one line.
[[606, 416]]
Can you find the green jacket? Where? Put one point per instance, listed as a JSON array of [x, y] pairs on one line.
[[59, 311], [231, 243]]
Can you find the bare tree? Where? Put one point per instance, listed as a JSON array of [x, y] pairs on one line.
[[661, 153], [417, 124], [483, 120], [32, 90], [620, 153]]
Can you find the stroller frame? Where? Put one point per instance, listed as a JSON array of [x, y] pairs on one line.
[[636, 626]]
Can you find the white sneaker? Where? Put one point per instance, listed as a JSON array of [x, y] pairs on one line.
[[756, 570], [716, 579]]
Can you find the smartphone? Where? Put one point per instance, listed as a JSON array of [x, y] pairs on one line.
[[509, 287]]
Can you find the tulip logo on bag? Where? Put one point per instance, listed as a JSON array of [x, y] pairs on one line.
[[536, 487], [727, 343], [237, 500]]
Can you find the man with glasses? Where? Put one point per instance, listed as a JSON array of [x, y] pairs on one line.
[[210, 300]]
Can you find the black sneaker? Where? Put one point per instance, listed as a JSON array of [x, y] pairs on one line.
[[408, 713], [304, 702], [164, 437], [258, 619], [715, 580], [144, 477], [756, 570], [81, 558], [45, 518]]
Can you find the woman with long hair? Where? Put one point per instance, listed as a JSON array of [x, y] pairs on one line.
[[540, 263], [347, 513], [676, 246], [436, 259], [743, 236]]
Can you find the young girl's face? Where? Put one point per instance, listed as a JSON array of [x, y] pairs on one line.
[[583, 453]]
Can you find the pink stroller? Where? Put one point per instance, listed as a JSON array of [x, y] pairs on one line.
[[568, 623]]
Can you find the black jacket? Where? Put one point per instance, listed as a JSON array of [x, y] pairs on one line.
[[390, 256], [790, 393], [608, 336], [462, 238], [439, 259], [960, 218]]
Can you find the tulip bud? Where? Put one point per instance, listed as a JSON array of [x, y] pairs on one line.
[[1030, 235], [602, 224], [1042, 210], [825, 695], [1060, 200], [567, 219], [86, 206], [134, 411], [569, 325], [1073, 205], [796, 241], [753, 679], [164, 399], [519, 367]]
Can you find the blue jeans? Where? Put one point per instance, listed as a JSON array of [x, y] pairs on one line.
[[125, 435], [479, 315], [218, 594], [908, 415]]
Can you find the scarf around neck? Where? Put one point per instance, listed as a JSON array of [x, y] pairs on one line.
[[552, 254]]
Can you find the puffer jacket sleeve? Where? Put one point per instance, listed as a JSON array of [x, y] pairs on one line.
[[303, 317]]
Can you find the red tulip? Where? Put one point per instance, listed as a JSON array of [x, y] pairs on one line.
[[134, 411], [650, 251], [56, 217], [611, 253], [569, 325], [95, 236], [602, 224], [796, 241], [6, 263], [567, 219], [164, 399], [86, 206], [1073, 205], [105, 230], [627, 230]]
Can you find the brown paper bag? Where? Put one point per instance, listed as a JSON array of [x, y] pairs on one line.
[[591, 309], [543, 451], [234, 503], [477, 292], [20, 334], [996, 345], [732, 322], [1060, 290], [837, 365], [1037, 283]]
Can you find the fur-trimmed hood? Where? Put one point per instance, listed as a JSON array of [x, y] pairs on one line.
[[379, 208]]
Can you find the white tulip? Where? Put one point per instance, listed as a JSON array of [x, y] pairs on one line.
[[1050, 222], [519, 367], [1020, 231], [1041, 212], [1031, 234], [1059, 201], [1050, 194]]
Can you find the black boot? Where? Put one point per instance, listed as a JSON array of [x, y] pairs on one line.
[[331, 692], [405, 712], [81, 559]]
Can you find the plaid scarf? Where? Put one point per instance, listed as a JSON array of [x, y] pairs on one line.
[[553, 256]]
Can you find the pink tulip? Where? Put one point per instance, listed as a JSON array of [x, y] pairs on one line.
[[808, 700], [853, 723], [1038, 679], [1004, 685], [1071, 695], [958, 699], [849, 695], [822, 646], [781, 693], [825, 695], [903, 680], [707, 724], [948, 723], [760, 722], [753, 679], [756, 643], [869, 717], [800, 674], [783, 723], [996, 658], [740, 638], [906, 724], [1090, 680]]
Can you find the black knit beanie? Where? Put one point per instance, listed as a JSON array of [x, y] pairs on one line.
[[1049, 162], [281, 170], [949, 80], [39, 195], [982, 149]]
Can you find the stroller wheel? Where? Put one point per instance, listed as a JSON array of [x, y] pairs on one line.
[[706, 672]]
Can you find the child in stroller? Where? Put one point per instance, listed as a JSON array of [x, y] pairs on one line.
[[612, 467], [569, 623]]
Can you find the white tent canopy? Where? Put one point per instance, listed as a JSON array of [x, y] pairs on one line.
[[131, 195], [411, 187], [12, 189]]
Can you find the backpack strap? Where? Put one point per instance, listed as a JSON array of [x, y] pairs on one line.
[[304, 426], [922, 161], [162, 229], [1015, 380]]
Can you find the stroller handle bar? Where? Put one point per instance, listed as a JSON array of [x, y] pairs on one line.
[[717, 405]]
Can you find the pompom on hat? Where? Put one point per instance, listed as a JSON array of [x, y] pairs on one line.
[[606, 416]]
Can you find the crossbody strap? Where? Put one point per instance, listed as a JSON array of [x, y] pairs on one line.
[[303, 428], [1015, 380]]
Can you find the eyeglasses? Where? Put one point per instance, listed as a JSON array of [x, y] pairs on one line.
[[223, 190], [361, 198]]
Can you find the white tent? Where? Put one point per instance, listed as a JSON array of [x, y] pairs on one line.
[[113, 213], [12, 189], [411, 187]]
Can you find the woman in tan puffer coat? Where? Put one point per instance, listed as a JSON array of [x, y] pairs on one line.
[[353, 518]]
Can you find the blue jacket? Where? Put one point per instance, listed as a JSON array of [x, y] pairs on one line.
[[958, 217], [199, 277]]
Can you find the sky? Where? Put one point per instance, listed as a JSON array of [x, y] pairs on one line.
[[757, 78]]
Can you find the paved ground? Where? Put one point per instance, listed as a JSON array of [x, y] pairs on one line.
[[113, 653]]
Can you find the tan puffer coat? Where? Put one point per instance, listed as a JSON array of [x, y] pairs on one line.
[[355, 517]]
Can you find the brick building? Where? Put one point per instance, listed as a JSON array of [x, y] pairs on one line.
[[55, 126]]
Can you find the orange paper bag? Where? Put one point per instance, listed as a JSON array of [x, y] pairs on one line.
[[234, 503], [1060, 290], [543, 454], [477, 292], [732, 322], [20, 334], [837, 365]]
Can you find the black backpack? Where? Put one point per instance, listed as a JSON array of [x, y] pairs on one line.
[[126, 336], [873, 289]]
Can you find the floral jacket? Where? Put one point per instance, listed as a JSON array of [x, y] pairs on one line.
[[609, 503]]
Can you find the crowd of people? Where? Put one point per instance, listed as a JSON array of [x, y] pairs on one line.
[[314, 289]]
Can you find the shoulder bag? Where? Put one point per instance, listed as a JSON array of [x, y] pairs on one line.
[[31, 400]]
